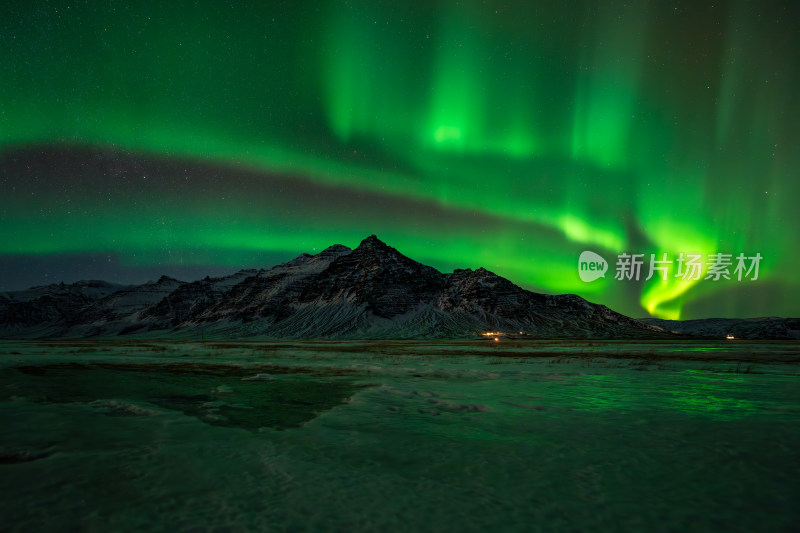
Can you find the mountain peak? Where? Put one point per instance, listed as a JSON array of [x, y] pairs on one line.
[[372, 245], [374, 248], [373, 240], [335, 249]]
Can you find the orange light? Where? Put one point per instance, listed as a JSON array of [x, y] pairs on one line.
[[497, 338]]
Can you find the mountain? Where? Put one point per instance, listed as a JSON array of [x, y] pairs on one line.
[[370, 292], [36, 310], [739, 328]]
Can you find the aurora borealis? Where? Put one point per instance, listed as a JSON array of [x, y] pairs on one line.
[[509, 135]]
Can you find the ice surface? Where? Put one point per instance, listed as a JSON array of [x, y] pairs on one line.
[[406, 436]]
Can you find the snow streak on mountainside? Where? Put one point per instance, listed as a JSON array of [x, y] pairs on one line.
[[373, 291]]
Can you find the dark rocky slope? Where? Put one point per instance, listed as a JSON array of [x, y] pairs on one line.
[[373, 291]]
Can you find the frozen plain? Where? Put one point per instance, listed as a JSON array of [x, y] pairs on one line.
[[399, 436]]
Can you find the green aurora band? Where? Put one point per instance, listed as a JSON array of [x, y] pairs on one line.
[[510, 136]]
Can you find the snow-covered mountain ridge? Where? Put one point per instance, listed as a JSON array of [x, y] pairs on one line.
[[373, 291]]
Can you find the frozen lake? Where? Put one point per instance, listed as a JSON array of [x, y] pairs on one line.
[[399, 436]]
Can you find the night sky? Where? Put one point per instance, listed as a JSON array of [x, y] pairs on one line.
[[196, 138]]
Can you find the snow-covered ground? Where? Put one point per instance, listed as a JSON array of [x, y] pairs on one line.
[[399, 436]]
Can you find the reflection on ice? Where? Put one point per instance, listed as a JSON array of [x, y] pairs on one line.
[[399, 436]]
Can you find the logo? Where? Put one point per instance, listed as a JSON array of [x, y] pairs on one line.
[[688, 267], [591, 266]]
